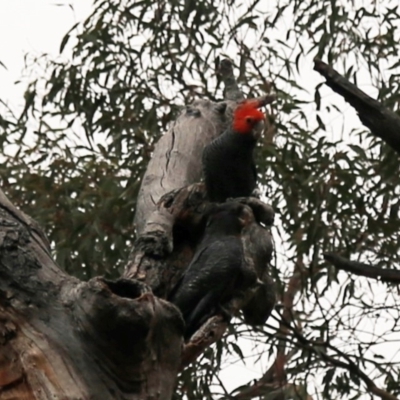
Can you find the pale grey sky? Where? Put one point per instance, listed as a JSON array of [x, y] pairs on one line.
[[35, 27]]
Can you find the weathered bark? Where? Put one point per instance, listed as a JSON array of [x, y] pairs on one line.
[[154, 260], [176, 160], [65, 339]]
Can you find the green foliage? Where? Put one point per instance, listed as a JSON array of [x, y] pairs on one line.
[[74, 158]]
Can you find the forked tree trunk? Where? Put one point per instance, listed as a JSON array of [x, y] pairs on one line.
[[66, 339], [61, 338]]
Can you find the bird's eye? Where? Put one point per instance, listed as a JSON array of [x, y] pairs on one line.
[[250, 120]]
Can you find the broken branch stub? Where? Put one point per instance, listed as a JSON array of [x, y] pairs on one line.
[[231, 90]]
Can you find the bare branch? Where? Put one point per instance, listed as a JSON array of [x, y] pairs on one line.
[[382, 122], [362, 269], [176, 160], [209, 333], [270, 391], [232, 90], [319, 350]]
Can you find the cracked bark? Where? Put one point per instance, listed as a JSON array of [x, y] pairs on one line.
[[66, 339]]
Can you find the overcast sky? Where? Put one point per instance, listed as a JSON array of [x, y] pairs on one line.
[[35, 27]]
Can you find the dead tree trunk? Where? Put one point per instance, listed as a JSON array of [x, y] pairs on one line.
[[66, 339]]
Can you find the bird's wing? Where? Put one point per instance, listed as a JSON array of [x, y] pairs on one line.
[[178, 284], [213, 267]]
